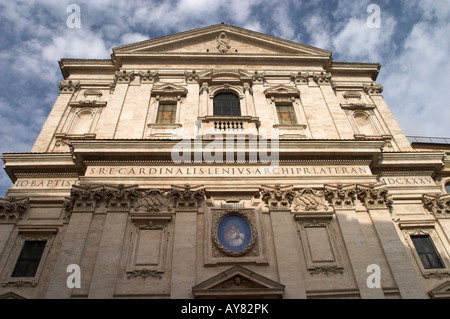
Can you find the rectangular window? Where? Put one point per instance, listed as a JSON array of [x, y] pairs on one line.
[[286, 114], [427, 252], [29, 259], [166, 114]]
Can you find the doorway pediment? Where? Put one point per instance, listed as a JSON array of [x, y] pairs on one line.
[[236, 283]]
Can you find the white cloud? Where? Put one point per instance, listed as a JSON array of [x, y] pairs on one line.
[[79, 43], [417, 82]]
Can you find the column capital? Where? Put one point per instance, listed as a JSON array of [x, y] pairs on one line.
[[187, 197], [341, 196], [277, 197], [259, 78], [85, 198], [374, 196], [69, 86], [373, 88], [191, 77], [437, 204], [11, 208]]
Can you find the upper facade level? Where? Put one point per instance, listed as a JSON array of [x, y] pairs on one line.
[[220, 79]]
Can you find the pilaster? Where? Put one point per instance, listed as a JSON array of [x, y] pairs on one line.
[[109, 120], [70, 253], [287, 245], [342, 198], [377, 202], [118, 203], [316, 111], [374, 90], [10, 211], [188, 117], [68, 88], [135, 108], [261, 106], [187, 201]]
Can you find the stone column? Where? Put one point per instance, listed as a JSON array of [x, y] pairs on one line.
[[68, 88], [203, 109], [317, 113], [377, 202], [111, 243], [189, 111], [338, 115], [287, 245], [249, 107], [342, 198], [108, 257], [132, 121], [184, 255], [109, 119], [184, 260], [287, 248], [10, 211], [262, 109], [70, 253], [374, 91]]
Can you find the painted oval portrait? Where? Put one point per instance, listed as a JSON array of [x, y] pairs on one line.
[[234, 233]]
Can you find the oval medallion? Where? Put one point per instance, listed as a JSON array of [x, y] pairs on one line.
[[234, 233]]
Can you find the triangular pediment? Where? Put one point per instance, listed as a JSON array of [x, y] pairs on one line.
[[169, 88], [238, 282], [220, 39], [441, 292], [11, 295], [281, 89]]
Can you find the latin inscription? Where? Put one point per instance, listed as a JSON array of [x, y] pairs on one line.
[[407, 181], [44, 183], [97, 171]]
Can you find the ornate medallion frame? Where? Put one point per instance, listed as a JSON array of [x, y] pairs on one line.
[[253, 252], [220, 249]]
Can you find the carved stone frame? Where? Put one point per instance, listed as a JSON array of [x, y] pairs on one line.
[[322, 220], [30, 233], [216, 253], [412, 228], [149, 222]]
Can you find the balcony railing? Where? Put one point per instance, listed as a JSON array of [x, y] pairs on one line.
[[229, 124]]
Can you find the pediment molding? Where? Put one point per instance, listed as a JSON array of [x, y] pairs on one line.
[[441, 292], [225, 39], [169, 89], [282, 90], [225, 76], [238, 282]]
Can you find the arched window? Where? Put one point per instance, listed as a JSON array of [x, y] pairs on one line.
[[447, 187], [227, 104]]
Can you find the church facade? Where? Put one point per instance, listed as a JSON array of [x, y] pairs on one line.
[[224, 163]]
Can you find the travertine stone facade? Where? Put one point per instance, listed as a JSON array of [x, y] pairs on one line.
[[140, 181]]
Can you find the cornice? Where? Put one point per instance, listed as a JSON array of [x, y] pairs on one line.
[[216, 29], [351, 68], [16, 163], [67, 66], [402, 160]]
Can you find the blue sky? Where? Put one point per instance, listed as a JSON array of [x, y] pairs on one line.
[[412, 45]]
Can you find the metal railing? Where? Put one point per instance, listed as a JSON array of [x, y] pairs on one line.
[[428, 140]]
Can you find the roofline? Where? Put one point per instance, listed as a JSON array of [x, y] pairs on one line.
[[216, 27]]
